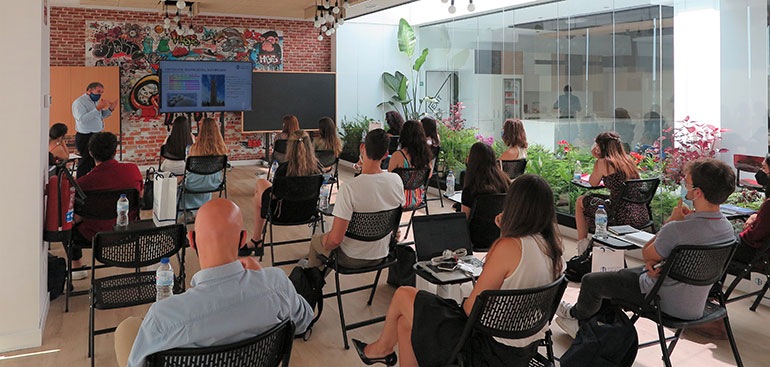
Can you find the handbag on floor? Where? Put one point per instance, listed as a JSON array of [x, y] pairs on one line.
[[402, 272], [309, 283], [57, 274], [608, 339], [147, 201]]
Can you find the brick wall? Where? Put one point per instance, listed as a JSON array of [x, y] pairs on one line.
[[142, 137]]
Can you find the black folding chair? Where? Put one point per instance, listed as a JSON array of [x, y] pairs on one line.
[[293, 201], [436, 151], [97, 205], [164, 154], [269, 349], [697, 266], [514, 314], [330, 164], [514, 168], [130, 249], [367, 227], [413, 179], [640, 191], [202, 165], [481, 221], [742, 270]]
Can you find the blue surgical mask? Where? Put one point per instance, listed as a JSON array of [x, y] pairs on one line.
[[95, 97], [683, 192]]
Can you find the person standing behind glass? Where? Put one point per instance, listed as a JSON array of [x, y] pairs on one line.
[[568, 104], [89, 111]]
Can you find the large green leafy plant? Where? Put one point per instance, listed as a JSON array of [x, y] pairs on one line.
[[352, 131], [405, 92]]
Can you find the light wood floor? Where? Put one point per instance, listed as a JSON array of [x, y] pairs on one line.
[[65, 339]]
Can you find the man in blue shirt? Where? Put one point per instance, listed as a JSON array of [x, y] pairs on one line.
[[568, 104], [229, 300], [89, 111]]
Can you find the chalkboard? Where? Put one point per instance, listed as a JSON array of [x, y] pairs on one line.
[[309, 96]]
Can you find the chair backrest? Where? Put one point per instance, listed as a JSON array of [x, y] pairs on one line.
[[413, 178], [481, 221], [206, 164], [698, 264], [375, 225], [747, 163], [640, 191], [297, 188], [137, 248], [280, 145], [102, 205], [393, 144], [269, 349], [326, 158], [513, 313], [164, 153], [514, 168]]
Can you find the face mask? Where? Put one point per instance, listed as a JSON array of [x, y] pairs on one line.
[[95, 97], [762, 178], [683, 192]]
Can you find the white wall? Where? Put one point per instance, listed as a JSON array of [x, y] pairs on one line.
[[23, 269]]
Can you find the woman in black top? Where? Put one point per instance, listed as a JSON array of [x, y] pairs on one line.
[[482, 176], [395, 122]]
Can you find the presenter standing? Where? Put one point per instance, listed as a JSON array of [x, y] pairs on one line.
[[89, 111]]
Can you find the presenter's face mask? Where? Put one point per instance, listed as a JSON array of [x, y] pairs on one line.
[[683, 191], [95, 97]]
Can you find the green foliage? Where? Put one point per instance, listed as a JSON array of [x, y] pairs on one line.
[[455, 145], [558, 168], [406, 38], [751, 199], [352, 131]]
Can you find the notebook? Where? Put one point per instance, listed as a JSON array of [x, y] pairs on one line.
[[622, 230], [435, 233]]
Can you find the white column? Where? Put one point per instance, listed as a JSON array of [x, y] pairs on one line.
[[23, 265]]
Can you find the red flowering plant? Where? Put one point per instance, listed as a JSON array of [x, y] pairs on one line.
[[455, 121], [689, 141]]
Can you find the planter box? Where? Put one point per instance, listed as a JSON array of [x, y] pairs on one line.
[[567, 220]]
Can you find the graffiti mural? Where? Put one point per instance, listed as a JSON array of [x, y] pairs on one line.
[[138, 49]]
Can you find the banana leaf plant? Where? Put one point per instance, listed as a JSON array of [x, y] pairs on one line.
[[405, 93]]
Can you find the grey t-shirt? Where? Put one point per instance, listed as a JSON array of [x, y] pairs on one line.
[[700, 228]]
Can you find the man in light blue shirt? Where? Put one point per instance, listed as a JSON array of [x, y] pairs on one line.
[[568, 104], [89, 111], [229, 300]]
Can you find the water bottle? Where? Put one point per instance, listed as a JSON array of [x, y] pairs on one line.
[[363, 135], [122, 211], [323, 198], [302, 263], [273, 168], [578, 171], [450, 183], [164, 280], [601, 223], [187, 151]]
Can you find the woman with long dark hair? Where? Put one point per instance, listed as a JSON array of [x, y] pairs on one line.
[[176, 146], [527, 255], [327, 139], [515, 138], [482, 176], [614, 167], [414, 153], [56, 146], [395, 122], [301, 161], [431, 131]]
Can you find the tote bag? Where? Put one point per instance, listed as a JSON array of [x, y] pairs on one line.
[[164, 199]]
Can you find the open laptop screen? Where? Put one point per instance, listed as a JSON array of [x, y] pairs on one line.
[[435, 233]]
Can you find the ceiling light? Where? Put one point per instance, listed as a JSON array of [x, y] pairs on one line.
[[180, 4], [452, 9], [329, 32], [471, 7]]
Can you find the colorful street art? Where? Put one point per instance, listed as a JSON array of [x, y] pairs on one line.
[[138, 48]]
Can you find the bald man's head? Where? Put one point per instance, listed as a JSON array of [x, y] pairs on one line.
[[218, 228]]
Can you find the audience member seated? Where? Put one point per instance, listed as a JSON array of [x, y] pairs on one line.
[[431, 131], [327, 139], [414, 153], [757, 229], [371, 191], [395, 122], [107, 175], [301, 161], [515, 138], [176, 145], [56, 145], [708, 183], [228, 301], [482, 176], [290, 125], [528, 254], [209, 142], [613, 166]]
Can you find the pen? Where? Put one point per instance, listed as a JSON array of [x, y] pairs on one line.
[[656, 266]]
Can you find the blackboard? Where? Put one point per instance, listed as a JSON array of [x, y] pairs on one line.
[[309, 96]]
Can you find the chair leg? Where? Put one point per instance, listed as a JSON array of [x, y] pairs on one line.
[[672, 345], [91, 328], [662, 340], [272, 250], [735, 282], [68, 285], [409, 225], [374, 287], [440, 196], [549, 347], [733, 345], [342, 313], [762, 292], [264, 240]]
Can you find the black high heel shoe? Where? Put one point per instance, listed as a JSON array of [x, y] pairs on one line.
[[258, 249], [388, 360]]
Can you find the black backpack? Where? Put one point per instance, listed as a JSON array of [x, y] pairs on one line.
[[578, 266], [57, 274], [309, 283], [402, 272], [608, 339], [149, 184]]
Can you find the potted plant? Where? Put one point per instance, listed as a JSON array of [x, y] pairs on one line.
[[352, 132]]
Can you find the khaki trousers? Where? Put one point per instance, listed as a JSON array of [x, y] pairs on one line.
[[317, 256], [125, 335]]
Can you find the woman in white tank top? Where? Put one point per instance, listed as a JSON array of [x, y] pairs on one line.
[[527, 255]]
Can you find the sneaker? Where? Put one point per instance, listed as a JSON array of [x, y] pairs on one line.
[[80, 274], [582, 245], [564, 309], [570, 326]]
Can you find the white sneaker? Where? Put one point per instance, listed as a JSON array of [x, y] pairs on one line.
[[570, 326], [80, 274], [582, 245], [564, 309]]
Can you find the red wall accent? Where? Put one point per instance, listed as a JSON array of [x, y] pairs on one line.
[[142, 139]]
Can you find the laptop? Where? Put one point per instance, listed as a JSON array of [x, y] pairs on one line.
[[435, 233]]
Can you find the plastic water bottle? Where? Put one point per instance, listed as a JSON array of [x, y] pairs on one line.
[[273, 168], [323, 198], [601, 223], [302, 263], [122, 211], [578, 171], [187, 151], [363, 135], [450, 183], [164, 280]]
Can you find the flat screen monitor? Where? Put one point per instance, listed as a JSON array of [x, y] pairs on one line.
[[204, 86]]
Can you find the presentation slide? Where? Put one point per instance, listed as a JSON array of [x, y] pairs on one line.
[[205, 86]]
